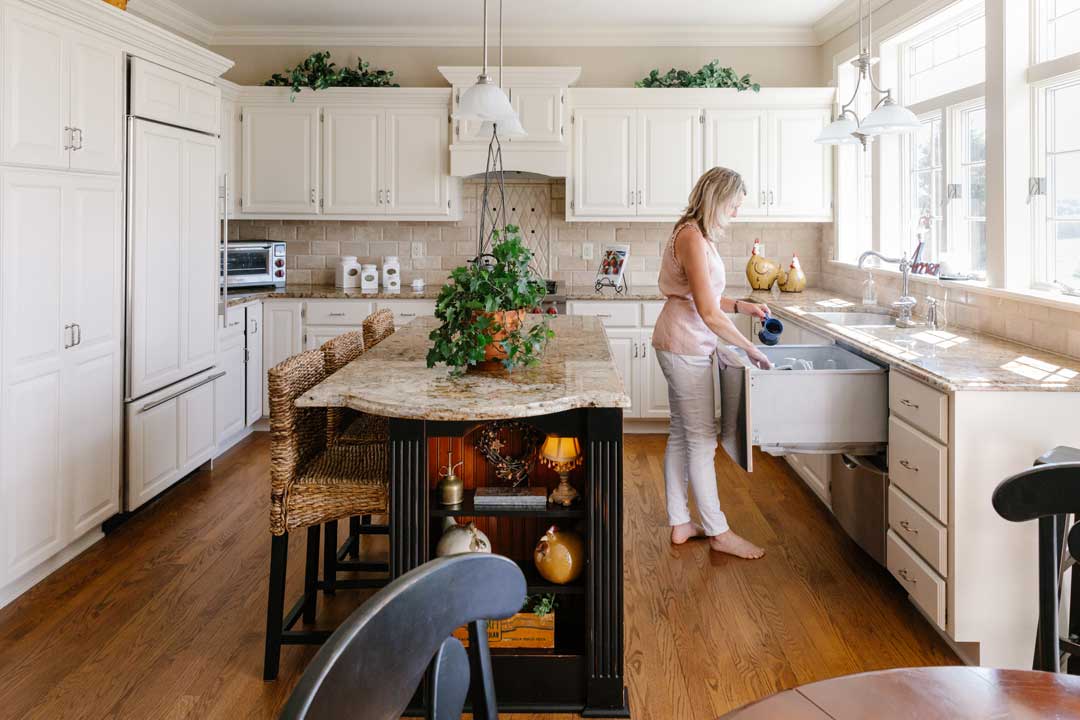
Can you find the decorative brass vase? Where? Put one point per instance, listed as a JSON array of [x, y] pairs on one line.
[[560, 556], [451, 489]]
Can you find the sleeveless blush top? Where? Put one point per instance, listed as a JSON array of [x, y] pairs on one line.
[[680, 329]]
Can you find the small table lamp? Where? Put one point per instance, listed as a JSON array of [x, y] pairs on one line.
[[561, 454]]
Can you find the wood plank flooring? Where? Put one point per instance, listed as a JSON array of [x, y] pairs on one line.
[[164, 617]]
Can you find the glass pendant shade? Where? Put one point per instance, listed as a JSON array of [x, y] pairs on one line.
[[508, 126], [890, 118], [484, 101], [839, 132]]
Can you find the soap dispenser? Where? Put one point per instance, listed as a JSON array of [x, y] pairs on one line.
[[869, 290]]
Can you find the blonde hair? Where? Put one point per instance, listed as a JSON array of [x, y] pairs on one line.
[[712, 199]]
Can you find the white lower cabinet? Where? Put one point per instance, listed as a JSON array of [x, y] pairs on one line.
[[283, 336], [625, 349], [230, 417], [255, 371], [814, 469], [405, 311]]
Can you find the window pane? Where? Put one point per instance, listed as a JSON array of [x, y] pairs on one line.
[[972, 35], [976, 187], [945, 48], [1064, 7], [976, 136], [924, 147], [1067, 262], [1066, 109], [1066, 185], [923, 56], [945, 53], [977, 238], [1066, 34]]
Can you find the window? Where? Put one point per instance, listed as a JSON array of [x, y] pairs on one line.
[[1057, 247], [967, 248], [950, 55], [926, 178], [1060, 28]]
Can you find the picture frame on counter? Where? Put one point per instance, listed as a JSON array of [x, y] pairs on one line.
[[612, 270]]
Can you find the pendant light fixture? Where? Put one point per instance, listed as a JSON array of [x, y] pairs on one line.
[[507, 125], [485, 100], [887, 116]]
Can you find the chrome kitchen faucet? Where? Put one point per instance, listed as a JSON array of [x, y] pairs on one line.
[[905, 303]]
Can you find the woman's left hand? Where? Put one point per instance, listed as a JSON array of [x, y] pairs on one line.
[[758, 310]]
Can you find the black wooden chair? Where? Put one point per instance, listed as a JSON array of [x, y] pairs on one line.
[[372, 665], [1050, 493]]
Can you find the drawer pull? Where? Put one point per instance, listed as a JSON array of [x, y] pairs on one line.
[[603, 315], [338, 314], [907, 527], [909, 466], [407, 314], [902, 572], [907, 403]]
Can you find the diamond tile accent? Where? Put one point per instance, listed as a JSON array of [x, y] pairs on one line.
[[529, 209]]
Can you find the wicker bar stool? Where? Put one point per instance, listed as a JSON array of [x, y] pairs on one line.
[[347, 426], [378, 326], [310, 484]]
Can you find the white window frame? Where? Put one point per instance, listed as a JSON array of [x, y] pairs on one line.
[[1043, 38], [956, 218], [905, 243], [904, 47]]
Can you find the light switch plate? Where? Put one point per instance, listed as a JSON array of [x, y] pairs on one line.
[[586, 251], [418, 249]]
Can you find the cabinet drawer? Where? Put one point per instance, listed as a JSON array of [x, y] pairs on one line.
[[337, 312], [232, 324], [925, 587], [650, 311], [920, 467], [625, 314], [927, 536], [405, 311], [922, 406]]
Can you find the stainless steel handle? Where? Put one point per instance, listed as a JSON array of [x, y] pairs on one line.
[[78, 334], [67, 329], [902, 572], [631, 197], [69, 137], [909, 466], [407, 314], [178, 393], [770, 197], [312, 196], [380, 197], [763, 198], [337, 314], [644, 350], [635, 350], [224, 290], [388, 196], [603, 315], [908, 403], [73, 136], [255, 329], [907, 527], [639, 200]]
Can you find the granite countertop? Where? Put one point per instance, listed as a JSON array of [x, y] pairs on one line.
[[393, 380], [430, 292], [954, 359]]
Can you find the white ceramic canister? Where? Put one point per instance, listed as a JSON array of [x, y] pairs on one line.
[[369, 278], [391, 273], [347, 274]]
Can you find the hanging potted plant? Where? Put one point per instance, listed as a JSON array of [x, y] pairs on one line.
[[483, 310]]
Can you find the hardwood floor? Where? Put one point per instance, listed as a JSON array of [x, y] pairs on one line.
[[164, 618]]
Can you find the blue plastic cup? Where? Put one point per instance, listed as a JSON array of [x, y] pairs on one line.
[[770, 332]]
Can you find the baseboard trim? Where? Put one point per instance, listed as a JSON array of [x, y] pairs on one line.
[[32, 577]]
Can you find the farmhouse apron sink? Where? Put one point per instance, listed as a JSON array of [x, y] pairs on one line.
[[817, 399]]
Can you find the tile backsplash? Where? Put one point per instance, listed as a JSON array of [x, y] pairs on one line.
[[314, 246]]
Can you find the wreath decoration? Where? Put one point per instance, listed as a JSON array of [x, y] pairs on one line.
[[511, 470]]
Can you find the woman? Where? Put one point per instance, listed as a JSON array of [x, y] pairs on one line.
[[685, 338]]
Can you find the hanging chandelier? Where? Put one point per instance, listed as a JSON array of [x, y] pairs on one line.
[[486, 101], [887, 117]]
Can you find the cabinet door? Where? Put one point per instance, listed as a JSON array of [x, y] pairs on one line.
[[35, 94], [229, 394], [668, 160], [196, 426], [280, 147], [162, 94], [153, 450], [229, 154], [736, 139], [33, 341], [416, 162], [814, 470], [353, 161], [604, 176], [654, 388], [626, 353], [800, 170], [282, 336], [253, 404], [97, 94], [93, 383], [540, 112]]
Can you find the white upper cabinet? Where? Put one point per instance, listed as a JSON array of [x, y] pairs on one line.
[[280, 147], [604, 177], [736, 139], [416, 161], [353, 160], [669, 159], [540, 112], [62, 97], [229, 154], [800, 170], [158, 93]]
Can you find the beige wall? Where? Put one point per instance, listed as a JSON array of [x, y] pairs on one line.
[[600, 67]]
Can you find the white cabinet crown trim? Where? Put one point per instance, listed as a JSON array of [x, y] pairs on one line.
[[368, 97], [520, 76]]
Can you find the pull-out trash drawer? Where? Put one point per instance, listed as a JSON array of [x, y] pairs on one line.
[[816, 399]]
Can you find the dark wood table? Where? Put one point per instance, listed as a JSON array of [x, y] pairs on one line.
[[948, 693]]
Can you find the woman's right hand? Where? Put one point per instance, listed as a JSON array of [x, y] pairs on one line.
[[759, 358]]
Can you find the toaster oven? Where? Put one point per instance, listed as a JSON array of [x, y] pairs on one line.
[[249, 264]]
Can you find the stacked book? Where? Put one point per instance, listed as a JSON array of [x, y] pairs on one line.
[[529, 498]]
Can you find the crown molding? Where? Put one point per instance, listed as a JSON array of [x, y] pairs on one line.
[[513, 75], [170, 15], [842, 17]]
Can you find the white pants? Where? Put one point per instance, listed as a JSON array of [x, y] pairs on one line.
[[691, 445]]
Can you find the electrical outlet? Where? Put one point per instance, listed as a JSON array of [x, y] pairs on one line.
[[418, 249], [586, 251]]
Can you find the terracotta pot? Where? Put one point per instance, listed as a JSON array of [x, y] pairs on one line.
[[560, 556], [494, 354]]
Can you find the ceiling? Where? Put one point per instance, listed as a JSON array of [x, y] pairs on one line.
[[528, 22]]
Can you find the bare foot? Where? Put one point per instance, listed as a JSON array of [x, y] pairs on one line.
[[733, 544], [682, 533]]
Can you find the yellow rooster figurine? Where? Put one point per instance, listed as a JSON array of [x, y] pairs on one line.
[[794, 280], [761, 272]]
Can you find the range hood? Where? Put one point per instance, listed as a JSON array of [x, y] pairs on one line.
[[539, 95]]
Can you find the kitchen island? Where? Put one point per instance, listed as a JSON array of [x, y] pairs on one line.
[[574, 391]]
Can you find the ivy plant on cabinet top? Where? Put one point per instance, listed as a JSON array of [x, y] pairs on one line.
[[319, 72], [711, 75]]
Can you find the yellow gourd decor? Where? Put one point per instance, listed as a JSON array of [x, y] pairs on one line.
[[794, 280], [761, 272], [560, 556]]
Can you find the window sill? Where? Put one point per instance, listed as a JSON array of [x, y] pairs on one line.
[[1048, 298]]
